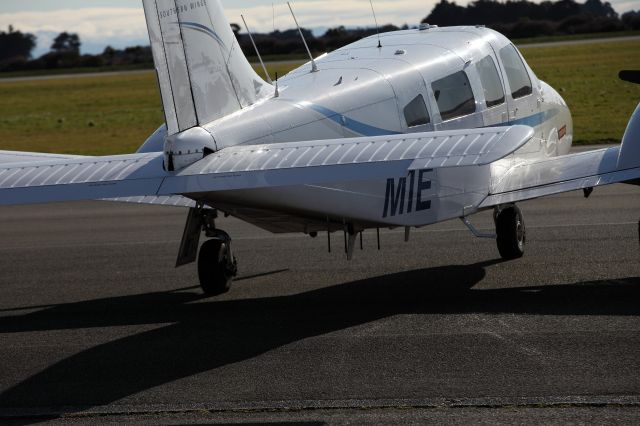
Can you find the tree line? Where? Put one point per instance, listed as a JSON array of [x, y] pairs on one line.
[[513, 18], [524, 19]]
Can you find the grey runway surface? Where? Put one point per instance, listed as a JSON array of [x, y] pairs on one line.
[[94, 319]]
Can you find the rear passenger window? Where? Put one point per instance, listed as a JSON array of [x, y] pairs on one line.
[[454, 96], [493, 91], [516, 72], [416, 112]]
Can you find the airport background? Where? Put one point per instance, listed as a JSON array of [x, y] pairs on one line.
[[113, 114], [97, 326], [520, 20]]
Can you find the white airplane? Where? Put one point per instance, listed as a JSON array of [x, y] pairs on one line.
[[405, 129]]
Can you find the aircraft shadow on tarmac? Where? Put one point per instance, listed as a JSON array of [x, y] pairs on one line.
[[208, 335]]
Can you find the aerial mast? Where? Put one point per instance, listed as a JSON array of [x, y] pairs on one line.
[[264, 68], [314, 67]]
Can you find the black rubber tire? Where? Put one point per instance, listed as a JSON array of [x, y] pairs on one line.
[[511, 233], [215, 278]]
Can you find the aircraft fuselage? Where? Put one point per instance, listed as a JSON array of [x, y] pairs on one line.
[[418, 81]]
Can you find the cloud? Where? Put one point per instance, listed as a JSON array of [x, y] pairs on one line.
[[96, 26], [622, 6], [116, 25], [92, 22], [331, 13]]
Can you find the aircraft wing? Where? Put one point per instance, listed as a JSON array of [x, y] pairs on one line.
[[7, 157], [535, 179], [140, 177], [313, 162], [30, 159], [52, 178]]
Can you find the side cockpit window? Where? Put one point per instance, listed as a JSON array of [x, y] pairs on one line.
[[517, 75], [416, 112], [454, 96], [493, 91]]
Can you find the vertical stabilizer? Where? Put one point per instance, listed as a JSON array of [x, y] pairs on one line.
[[202, 73]]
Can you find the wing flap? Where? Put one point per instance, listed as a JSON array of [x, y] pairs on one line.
[[478, 148], [441, 149], [312, 162]]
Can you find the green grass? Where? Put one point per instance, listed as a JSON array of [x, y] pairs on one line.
[[574, 37], [587, 78], [114, 114], [79, 70], [280, 68], [279, 59], [87, 115]]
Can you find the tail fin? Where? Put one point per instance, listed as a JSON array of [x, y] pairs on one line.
[[202, 72]]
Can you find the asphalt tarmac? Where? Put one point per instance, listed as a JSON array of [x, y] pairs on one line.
[[97, 326]]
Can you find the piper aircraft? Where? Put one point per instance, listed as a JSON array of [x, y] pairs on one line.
[[403, 129]]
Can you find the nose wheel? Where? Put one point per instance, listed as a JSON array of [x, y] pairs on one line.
[[511, 233]]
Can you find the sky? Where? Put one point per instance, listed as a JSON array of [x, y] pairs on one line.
[[120, 23]]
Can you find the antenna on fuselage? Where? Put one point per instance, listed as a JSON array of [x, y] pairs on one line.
[[266, 73], [375, 19], [314, 67]]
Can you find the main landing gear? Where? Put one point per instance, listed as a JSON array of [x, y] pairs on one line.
[[216, 264], [510, 233]]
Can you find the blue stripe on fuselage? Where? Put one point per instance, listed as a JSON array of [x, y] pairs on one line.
[[353, 125], [368, 130]]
